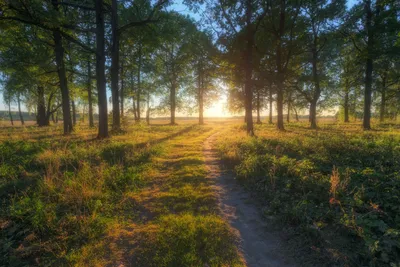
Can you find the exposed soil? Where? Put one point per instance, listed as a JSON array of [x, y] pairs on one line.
[[259, 244]]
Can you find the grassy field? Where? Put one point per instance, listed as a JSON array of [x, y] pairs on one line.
[[142, 197], [336, 188]]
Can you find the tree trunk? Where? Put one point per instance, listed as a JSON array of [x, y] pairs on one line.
[[288, 107], [59, 52], [313, 114], [258, 107], [116, 123], [73, 112], [200, 96], [383, 100], [248, 87], [346, 106], [41, 109], [100, 71], [148, 109], [89, 90], [172, 99], [122, 90], [9, 112], [369, 68], [270, 106], [21, 118], [317, 88], [279, 105], [297, 115], [139, 83]]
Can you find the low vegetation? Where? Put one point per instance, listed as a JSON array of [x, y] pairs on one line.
[[140, 197], [336, 188]]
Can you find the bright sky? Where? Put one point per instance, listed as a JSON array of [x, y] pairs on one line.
[[218, 109]]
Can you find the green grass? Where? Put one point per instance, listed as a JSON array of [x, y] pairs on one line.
[[336, 188], [84, 202]]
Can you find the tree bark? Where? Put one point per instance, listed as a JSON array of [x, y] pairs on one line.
[[270, 106], [258, 107], [122, 96], [248, 87], [279, 105], [148, 109], [200, 97], [346, 106], [100, 71], [297, 115], [21, 118], [383, 100], [73, 112], [317, 88], [89, 90], [139, 83], [9, 112], [41, 108], [369, 68], [313, 114], [173, 102], [289, 107], [116, 124], [59, 52]]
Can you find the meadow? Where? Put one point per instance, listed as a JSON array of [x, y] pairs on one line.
[[139, 198], [142, 197], [336, 189]]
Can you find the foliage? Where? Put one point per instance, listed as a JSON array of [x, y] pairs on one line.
[[332, 179]]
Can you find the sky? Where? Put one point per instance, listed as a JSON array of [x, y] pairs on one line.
[[218, 109]]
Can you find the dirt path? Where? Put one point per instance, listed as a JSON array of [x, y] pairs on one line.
[[259, 246]]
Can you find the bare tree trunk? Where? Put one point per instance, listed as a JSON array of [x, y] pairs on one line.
[[346, 106], [279, 105], [258, 107], [270, 106], [73, 112], [313, 114], [369, 68], [9, 112], [248, 87], [21, 118], [116, 124], [289, 107], [317, 88], [383, 100], [100, 71], [200, 97], [59, 52], [173, 102], [139, 83], [122, 96], [297, 115], [148, 109], [90, 100], [41, 109]]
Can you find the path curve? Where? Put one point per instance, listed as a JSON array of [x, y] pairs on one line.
[[259, 246]]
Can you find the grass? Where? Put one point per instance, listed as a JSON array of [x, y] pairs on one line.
[[335, 188], [139, 198]]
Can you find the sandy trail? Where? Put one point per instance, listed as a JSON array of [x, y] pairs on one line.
[[258, 244]]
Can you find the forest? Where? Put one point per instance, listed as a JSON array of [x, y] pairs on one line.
[[200, 133]]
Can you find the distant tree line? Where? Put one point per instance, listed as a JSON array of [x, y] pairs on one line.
[[57, 58]]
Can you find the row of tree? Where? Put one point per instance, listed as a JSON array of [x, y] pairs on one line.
[[314, 54], [58, 55], [53, 52]]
